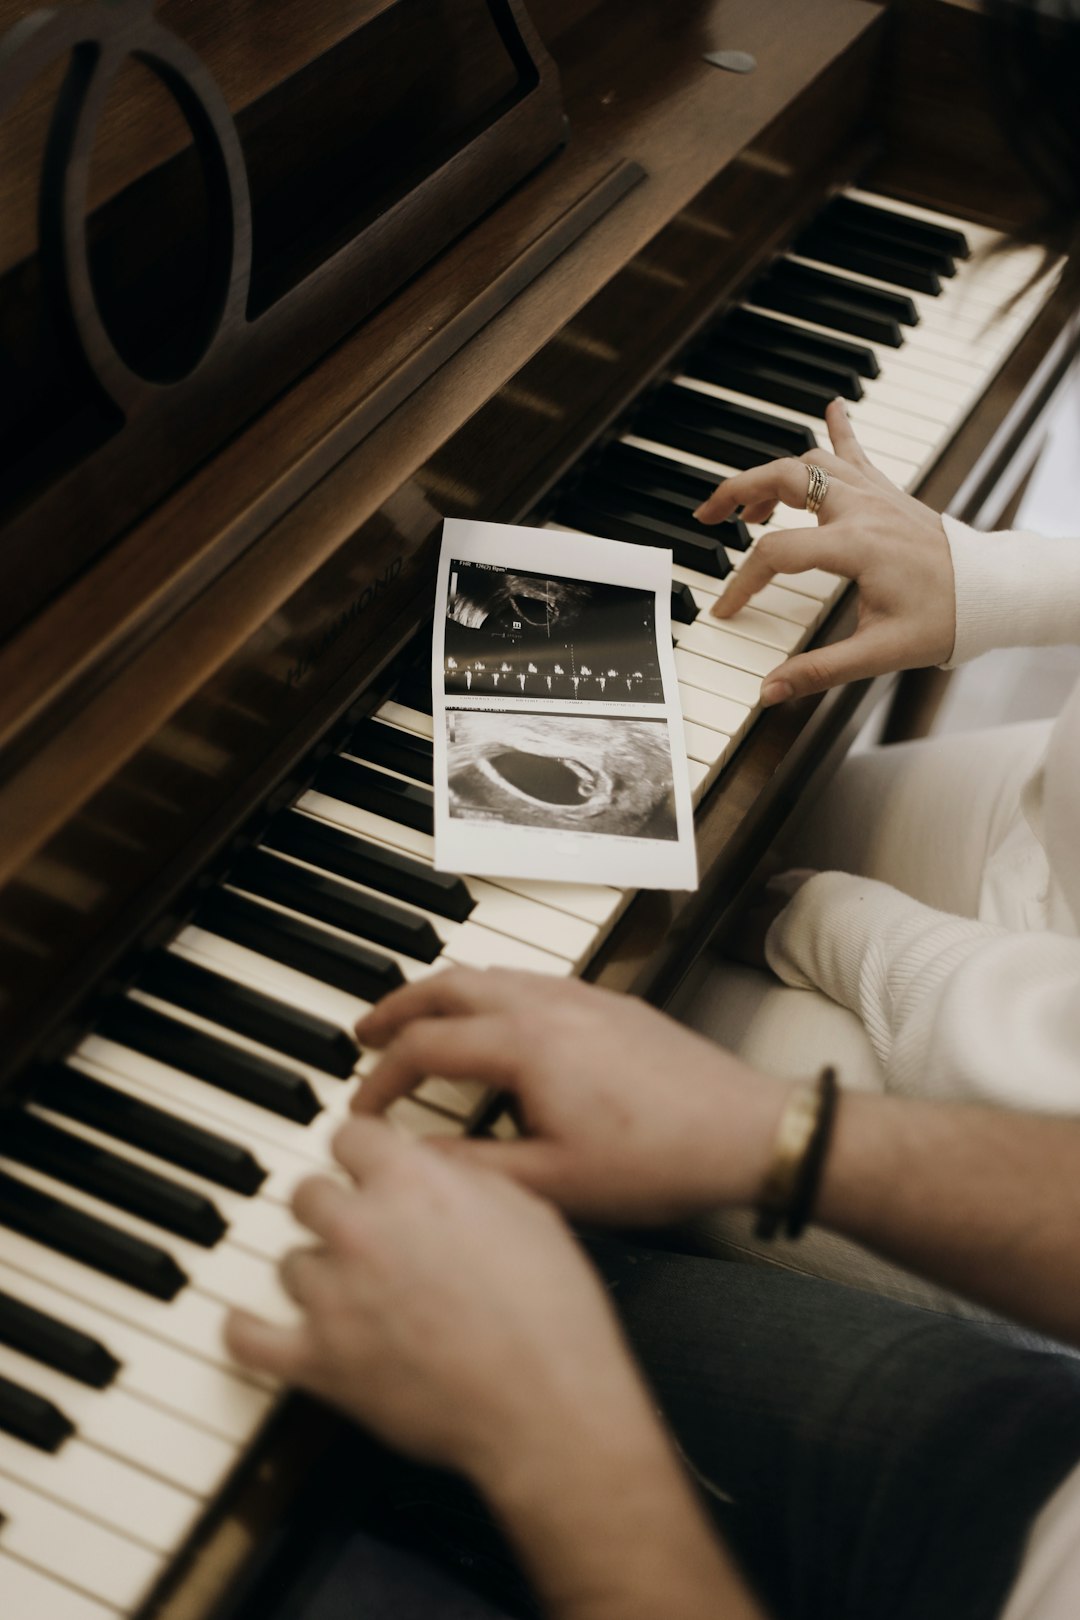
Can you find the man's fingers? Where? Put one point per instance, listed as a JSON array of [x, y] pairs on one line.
[[280, 1351], [453, 992], [303, 1272], [321, 1205], [854, 659], [786, 551], [364, 1147], [534, 1164], [466, 1048]]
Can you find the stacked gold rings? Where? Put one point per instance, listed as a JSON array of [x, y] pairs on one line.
[[818, 487]]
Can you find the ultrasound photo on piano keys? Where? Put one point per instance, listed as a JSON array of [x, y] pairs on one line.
[[569, 773], [516, 634]]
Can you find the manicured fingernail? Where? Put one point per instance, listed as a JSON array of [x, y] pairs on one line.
[[776, 692], [700, 513]]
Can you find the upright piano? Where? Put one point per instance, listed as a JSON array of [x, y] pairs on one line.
[[278, 292]]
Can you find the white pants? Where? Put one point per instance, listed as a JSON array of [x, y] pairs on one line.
[[939, 819]]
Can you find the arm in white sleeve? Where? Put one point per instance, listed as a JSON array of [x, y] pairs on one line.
[[954, 1008], [1012, 590]]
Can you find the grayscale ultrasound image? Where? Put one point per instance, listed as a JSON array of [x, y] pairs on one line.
[[577, 774], [531, 635]]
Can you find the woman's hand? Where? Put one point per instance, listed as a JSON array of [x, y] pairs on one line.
[[892, 546], [627, 1116], [447, 1310]]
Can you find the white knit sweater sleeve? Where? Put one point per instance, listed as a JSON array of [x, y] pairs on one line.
[[954, 1008], [1012, 590]]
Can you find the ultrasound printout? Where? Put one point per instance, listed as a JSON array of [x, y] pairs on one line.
[[558, 735]]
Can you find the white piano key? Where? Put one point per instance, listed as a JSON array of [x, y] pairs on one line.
[[283, 1160], [224, 1272], [414, 720], [758, 624], [902, 455], [29, 1594], [717, 640], [192, 1321], [801, 614], [509, 915], [591, 902], [720, 679], [708, 747], [104, 1489], [473, 946], [68, 1547], [277, 978], [719, 714], [261, 1223], [206, 1397], [327, 1088], [498, 913], [700, 776], [129, 1428]]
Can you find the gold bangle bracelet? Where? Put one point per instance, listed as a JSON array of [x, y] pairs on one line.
[[802, 1139]]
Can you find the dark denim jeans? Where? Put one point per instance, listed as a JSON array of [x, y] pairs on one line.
[[866, 1460]]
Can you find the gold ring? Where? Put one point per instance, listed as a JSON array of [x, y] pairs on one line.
[[818, 487]]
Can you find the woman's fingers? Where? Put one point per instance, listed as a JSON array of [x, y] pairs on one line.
[[870, 651], [468, 1048], [786, 480], [787, 551]]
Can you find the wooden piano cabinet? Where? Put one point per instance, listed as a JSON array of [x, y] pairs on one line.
[[214, 202], [182, 685]]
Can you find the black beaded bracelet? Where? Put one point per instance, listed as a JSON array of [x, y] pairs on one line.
[[802, 1141]]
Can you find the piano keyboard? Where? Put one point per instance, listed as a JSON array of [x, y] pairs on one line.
[[144, 1187]]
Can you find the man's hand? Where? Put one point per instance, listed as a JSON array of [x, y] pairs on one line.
[[892, 546], [446, 1309], [628, 1116]]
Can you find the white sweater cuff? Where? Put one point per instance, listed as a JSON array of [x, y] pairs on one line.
[[821, 938], [1012, 590]]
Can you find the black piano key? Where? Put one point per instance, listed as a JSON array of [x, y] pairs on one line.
[[392, 748], [816, 382], [632, 520], [898, 227], [635, 468], [413, 689], [407, 803], [675, 509], [661, 481], [880, 300], [291, 1030], [84, 1238], [325, 899], [79, 1096], [32, 1418], [351, 856], [831, 308], [55, 1344], [747, 373], [794, 345], [344, 963], [730, 434], [852, 250], [684, 610], [112, 1178], [244, 1074]]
